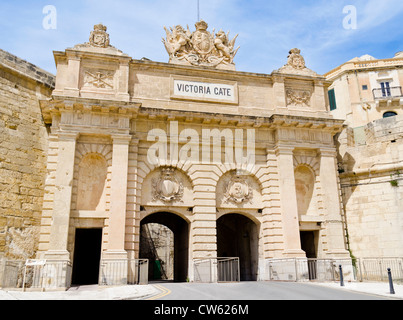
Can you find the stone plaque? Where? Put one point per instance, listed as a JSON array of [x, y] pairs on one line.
[[204, 90]]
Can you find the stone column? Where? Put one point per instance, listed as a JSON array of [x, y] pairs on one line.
[[59, 230], [117, 218], [331, 202], [288, 200]]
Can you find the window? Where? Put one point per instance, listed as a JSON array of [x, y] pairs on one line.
[[332, 100], [364, 87], [385, 89], [389, 114]]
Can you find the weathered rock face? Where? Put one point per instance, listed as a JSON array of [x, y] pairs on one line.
[[23, 149]]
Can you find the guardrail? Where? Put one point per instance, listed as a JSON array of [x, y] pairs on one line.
[[56, 275], [212, 270], [123, 272], [39, 276], [376, 269]]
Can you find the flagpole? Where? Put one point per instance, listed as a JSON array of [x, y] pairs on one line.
[[198, 10]]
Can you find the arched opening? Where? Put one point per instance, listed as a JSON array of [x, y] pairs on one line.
[[165, 241], [238, 236], [389, 114]]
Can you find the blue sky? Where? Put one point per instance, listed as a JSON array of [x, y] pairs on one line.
[[267, 29]]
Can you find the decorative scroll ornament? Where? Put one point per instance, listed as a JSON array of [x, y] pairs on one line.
[[167, 188], [238, 190], [200, 48]]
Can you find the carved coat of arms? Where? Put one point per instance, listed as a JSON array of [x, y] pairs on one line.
[[296, 64], [202, 40], [238, 190], [167, 188], [200, 48], [99, 38]]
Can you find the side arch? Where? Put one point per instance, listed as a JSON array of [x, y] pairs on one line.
[[180, 228]]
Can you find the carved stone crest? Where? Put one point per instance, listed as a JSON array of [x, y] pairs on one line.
[[299, 98], [200, 48], [296, 64], [296, 60], [167, 188], [238, 190], [202, 40], [99, 38], [98, 79]]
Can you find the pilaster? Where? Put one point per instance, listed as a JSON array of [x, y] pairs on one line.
[[288, 199], [117, 218], [62, 197], [331, 202]]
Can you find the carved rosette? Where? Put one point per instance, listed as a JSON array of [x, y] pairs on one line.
[[238, 190], [200, 48], [167, 188]]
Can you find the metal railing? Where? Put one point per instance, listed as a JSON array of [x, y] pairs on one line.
[[212, 270], [385, 93], [303, 269], [123, 272], [376, 269], [56, 275], [50, 275], [228, 270]]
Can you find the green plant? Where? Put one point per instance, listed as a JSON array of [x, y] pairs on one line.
[[394, 183]]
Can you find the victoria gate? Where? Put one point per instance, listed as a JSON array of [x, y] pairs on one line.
[[187, 170]]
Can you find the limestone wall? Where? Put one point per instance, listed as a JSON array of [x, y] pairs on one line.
[[372, 187], [23, 148]]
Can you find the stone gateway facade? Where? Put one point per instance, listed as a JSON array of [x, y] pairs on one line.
[[235, 164]]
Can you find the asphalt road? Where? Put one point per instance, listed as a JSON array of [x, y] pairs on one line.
[[254, 291]]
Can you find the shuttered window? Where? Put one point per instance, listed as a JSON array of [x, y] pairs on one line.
[[332, 100]]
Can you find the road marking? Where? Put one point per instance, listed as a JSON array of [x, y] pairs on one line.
[[164, 292]]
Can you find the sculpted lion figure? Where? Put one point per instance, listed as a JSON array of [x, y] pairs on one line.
[[224, 46], [177, 39]]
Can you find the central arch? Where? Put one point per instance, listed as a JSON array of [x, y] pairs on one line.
[[238, 236], [180, 230]]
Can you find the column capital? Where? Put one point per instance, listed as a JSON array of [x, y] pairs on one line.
[[284, 150], [328, 152], [123, 139], [68, 135]]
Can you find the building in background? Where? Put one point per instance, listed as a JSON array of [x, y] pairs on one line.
[[367, 92]]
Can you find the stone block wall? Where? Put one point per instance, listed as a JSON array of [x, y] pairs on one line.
[[23, 149], [372, 189]]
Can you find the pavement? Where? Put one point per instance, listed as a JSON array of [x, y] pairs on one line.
[[154, 291]]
